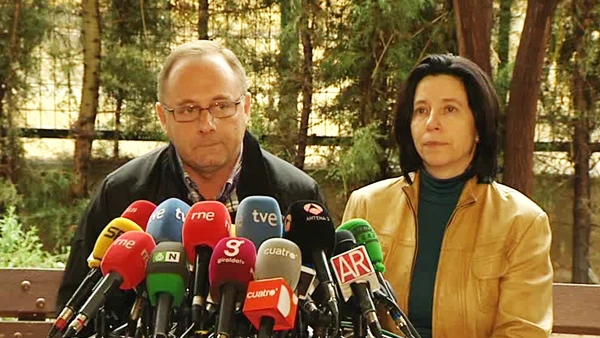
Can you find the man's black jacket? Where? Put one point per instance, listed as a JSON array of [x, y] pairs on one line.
[[156, 177]]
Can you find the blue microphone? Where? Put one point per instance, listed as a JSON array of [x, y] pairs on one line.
[[258, 218], [166, 221]]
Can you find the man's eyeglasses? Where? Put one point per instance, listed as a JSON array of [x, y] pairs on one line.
[[218, 110]]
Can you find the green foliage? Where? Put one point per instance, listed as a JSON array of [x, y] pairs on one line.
[[357, 165], [23, 248], [48, 206]]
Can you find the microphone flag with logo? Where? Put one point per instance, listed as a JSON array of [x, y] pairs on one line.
[[230, 270], [271, 303], [139, 212], [166, 221], [258, 218]]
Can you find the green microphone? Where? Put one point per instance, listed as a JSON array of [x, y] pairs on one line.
[[365, 235], [166, 280]]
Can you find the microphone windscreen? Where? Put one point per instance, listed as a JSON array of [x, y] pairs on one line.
[[279, 257], [167, 272], [139, 212], [365, 235], [258, 218], [308, 224], [207, 222], [166, 221], [128, 257], [111, 231], [344, 241], [232, 261]]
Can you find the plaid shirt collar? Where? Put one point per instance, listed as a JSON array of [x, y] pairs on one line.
[[228, 194]]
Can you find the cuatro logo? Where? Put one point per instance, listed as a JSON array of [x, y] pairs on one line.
[[262, 293]]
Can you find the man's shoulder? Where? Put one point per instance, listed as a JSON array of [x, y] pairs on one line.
[[282, 169], [138, 169]]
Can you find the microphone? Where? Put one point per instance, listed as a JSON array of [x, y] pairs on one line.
[[365, 235], [309, 225], [206, 223], [258, 218], [163, 224], [270, 302], [111, 231], [139, 212], [166, 280], [123, 266], [356, 277], [166, 221], [230, 270]]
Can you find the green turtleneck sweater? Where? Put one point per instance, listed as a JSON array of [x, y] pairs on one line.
[[437, 201]]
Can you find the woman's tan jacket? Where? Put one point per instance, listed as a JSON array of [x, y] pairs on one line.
[[494, 276]]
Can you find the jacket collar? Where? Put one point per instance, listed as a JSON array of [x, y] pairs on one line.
[[469, 195], [253, 180]]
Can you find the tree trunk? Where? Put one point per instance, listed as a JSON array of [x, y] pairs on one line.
[[203, 19], [117, 137], [9, 143], [524, 92], [83, 130], [582, 213], [290, 84], [504, 30], [583, 98], [307, 80], [474, 31]]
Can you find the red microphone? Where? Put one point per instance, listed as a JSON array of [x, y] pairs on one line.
[[139, 212], [230, 271], [271, 300], [206, 223], [123, 266]]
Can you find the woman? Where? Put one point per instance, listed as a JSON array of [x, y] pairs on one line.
[[467, 256]]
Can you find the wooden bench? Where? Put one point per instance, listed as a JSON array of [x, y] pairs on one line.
[[28, 296]]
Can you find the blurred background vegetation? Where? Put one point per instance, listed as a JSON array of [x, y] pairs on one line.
[[78, 88]]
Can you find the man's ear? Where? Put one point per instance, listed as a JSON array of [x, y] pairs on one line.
[[160, 111], [247, 105]]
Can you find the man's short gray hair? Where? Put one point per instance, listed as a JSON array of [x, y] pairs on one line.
[[199, 48]]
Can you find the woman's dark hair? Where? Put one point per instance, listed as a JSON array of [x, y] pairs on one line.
[[483, 102]]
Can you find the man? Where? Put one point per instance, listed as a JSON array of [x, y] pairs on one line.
[[204, 108]]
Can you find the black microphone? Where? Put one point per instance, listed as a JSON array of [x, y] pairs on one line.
[[354, 269], [166, 280], [309, 225]]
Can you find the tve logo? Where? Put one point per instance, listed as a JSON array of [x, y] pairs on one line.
[[353, 266], [264, 217]]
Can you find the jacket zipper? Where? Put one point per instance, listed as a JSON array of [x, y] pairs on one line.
[[435, 288]]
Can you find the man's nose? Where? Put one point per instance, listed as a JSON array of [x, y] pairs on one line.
[[206, 122]]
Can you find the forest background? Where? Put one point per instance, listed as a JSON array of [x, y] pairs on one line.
[[78, 87]]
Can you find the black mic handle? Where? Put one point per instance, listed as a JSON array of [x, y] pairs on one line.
[[367, 308], [227, 310], [162, 315], [265, 330], [101, 324], [358, 325], [200, 290]]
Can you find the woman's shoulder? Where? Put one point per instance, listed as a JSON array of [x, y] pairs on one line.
[[384, 187], [515, 199]]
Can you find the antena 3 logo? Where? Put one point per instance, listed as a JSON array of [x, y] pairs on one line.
[[316, 211], [262, 293], [313, 208]]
